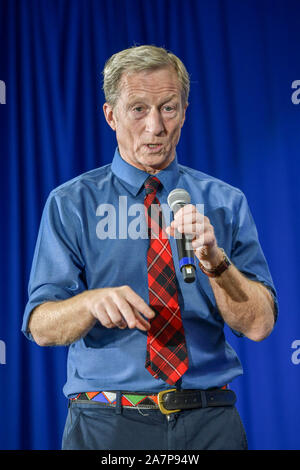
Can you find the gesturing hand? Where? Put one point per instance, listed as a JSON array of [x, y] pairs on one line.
[[119, 307]]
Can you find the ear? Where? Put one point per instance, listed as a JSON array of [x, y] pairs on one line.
[[109, 115]]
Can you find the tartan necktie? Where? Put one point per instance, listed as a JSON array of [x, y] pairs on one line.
[[166, 356]]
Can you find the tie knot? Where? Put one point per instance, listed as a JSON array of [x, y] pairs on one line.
[[152, 184]]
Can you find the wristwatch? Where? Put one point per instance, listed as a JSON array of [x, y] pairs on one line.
[[216, 272]]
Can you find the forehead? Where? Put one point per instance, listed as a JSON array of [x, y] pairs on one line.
[[150, 83]]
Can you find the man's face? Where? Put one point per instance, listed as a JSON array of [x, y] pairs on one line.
[[148, 118]]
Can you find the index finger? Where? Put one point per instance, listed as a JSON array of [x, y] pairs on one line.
[[136, 301]]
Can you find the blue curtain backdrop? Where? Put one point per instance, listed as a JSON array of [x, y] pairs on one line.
[[242, 126]]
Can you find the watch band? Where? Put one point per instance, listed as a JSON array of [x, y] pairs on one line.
[[217, 271]]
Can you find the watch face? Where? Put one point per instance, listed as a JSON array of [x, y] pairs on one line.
[[226, 259], [225, 263]]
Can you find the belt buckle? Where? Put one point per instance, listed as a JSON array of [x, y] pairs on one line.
[[160, 396]]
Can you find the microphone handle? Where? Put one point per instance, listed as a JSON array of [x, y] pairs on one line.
[[186, 257], [185, 252]]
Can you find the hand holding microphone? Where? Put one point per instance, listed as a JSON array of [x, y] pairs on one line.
[[177, 199], [194, 235]]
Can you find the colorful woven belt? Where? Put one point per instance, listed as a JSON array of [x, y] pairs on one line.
[[127, 399], [185, 399]]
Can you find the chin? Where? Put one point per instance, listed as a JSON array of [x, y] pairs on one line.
[[157, 162]]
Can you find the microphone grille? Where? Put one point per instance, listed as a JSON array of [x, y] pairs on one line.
[[179, 197]]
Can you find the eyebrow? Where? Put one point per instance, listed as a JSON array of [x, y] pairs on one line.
[[141, 99], [170, 98]]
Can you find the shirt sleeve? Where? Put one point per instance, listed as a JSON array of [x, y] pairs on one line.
[[246, 253], [57, 271]]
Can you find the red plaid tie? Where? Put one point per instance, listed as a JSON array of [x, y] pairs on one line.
[[166, 357]]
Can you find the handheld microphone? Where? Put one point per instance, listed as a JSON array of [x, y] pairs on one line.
[[177, 199]]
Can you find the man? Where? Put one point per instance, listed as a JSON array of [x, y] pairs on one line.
[[134, 327]]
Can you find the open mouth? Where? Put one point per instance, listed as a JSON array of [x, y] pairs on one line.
[[154, 146]]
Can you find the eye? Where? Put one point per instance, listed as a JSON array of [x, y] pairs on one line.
[[169, 108], [138, 109]]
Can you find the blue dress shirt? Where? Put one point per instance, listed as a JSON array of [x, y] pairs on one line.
[[92, 235]]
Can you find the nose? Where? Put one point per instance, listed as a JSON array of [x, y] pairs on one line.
[[154, 122]]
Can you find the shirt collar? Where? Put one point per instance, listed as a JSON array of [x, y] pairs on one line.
[[135, 178]]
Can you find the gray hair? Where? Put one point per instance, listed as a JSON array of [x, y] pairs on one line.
[[137, 59]]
